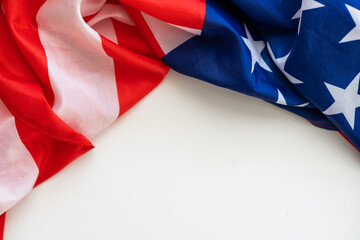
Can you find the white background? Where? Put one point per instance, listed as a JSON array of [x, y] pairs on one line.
[[197, 162]]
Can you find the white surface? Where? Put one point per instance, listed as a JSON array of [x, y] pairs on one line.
[[196, 162]]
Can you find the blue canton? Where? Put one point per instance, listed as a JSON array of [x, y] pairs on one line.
[[301, 55]]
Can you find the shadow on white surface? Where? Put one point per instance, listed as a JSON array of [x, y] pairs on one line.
[[196, 162]]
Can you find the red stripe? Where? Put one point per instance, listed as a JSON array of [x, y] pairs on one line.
[[185, 13], [139, 20], [21, 19], [50, 153], [2, 226], [137, 69], [87, 18], [130, 38]]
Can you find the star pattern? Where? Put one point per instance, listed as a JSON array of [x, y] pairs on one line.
[[306, 5], [255, 48], [354, 34], [346, 100]]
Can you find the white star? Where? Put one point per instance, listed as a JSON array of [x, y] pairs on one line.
[[303, 105], [346, 100], [281, 100], [255, 47], [280, 63], [354, 34], [306, 5]]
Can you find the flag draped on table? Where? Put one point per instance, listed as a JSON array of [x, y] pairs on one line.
[[70, 68]]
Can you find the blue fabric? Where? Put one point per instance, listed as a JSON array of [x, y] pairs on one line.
[[219, 55], [321, 39]]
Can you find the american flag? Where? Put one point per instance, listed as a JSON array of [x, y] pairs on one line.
[[70, 68]]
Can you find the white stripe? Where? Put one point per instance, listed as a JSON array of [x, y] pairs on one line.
[[102, 23], [18, 170], [90, 7], [116, 12], [106, 29], [168, 36], [82, 75], [190, 30]]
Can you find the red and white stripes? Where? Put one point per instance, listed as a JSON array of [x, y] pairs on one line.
[[81, 74], [70, 78], [18, 171], [72, 68]]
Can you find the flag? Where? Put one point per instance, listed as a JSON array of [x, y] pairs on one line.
[[70, 68]]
